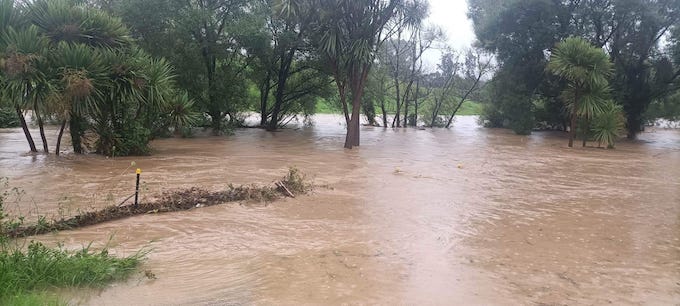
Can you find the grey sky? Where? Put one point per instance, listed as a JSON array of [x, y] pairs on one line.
[[451, 16]]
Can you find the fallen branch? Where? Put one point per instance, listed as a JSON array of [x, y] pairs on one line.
[[284, 188]]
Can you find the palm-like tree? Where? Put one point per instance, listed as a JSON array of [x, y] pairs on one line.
[[61, 21], [586, 70], [609, 124], [22, 53], [157, 86], [182, 113], [80, 78], [348, 35], [77, 63]]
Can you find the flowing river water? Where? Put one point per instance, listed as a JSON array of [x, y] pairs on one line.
[[430, 217]]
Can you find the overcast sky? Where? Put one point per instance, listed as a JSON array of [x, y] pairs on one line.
[[451, 16]]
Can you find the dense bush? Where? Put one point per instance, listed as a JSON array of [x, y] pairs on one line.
[[8, 118]]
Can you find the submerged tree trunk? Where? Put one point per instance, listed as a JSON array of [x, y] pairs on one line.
[[41, 126], [397, 116], [572, 130], [264, 97], [585, 132], [633, 126], [415, 104], [27, 133], [278, 101], [342, 91], [61, 134], [357, 81], [352, 139], [435, 111], [405, 113], [284, 73], [216, 122], [76, 133], [384, 112], [572, 124], [462, 100]]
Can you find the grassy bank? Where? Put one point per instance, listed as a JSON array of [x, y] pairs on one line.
[[469, 108], [28, 274]]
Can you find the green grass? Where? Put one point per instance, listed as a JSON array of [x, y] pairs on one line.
[[33, 299], [26, 274], [470, 108], [324, 106]]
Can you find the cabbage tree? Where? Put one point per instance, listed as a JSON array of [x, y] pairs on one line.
[[348, 36], [586, 69]]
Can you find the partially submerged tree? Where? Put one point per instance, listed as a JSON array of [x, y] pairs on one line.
[[80, 66], [286, 69], [204, 42], [586, 69], [637, 34], [349, 35], [476, 67], [444, 83], [22, 52]]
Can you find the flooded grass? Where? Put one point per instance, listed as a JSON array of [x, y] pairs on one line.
[[171, 201], [413, 217], [25, 274]]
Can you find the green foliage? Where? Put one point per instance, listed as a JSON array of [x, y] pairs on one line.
[[130, 139], [326, 106], [24, 272], [204, 41], [182, 114], [510, 103], [645, 69], [586, 70], [34, 299], [665, 108], [470, 108], [39, 267], [8, 118], [549, 113], [68, 61], [133, 140], [609, 125], [580, 63], [519, 111], [64, 21]]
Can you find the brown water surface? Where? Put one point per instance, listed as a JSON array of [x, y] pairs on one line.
[[436, 217]]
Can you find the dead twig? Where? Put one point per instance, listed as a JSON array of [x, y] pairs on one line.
[[284, 188]]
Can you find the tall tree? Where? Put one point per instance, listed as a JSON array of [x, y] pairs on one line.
[[586, 69], [286, 65], [20, 53], [203, 40], [476, 67], [444, 83], [632, 32], [350, 33]]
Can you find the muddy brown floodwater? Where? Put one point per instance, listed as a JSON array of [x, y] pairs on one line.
[[432, 217]]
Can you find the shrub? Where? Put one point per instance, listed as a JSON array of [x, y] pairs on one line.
[[8, 118]]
